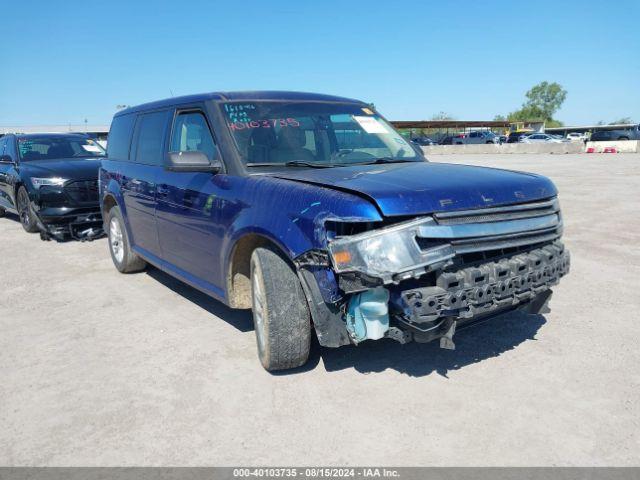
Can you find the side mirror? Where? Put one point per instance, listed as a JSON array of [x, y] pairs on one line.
[[6, 159], [192, 162]]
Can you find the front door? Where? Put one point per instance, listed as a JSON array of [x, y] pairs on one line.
[[8, 173], [189, 206]]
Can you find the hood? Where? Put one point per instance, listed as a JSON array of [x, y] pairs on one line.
[[70, 168], [422, 187]]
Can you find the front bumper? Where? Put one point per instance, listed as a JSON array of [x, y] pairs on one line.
[[481, 290], [62, 223]]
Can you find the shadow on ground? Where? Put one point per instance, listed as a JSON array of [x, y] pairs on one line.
[[240, 319], [478, 342], [488, 339]]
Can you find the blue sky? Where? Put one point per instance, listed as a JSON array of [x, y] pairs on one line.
[[69, 60]]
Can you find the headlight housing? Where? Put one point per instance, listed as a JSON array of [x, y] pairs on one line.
[[386, 252], [54, 181]]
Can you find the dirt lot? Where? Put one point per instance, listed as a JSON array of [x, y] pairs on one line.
[[98, 368]]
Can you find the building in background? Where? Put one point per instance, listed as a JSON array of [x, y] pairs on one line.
[[99, 132]]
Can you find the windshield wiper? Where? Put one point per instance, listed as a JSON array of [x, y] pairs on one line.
[[300, 163], [292, 163], [384, 160]]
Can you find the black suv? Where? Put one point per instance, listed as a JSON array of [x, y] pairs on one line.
[[514, 137], [613, 135], [51, 182]]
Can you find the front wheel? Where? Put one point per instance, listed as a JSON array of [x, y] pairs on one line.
[[28, 218], [280, 312], [124, 258]]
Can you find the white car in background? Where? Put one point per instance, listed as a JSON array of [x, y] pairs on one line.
[[576, 137], [543, 138]]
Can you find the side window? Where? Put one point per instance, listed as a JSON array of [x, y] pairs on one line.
[[191, 133], [119, 139], [474, 135], [150, 128]]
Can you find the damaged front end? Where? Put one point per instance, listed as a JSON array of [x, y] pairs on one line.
[[421, 279], [69, 211]]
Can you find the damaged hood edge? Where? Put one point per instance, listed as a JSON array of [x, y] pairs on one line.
[[418, 188]]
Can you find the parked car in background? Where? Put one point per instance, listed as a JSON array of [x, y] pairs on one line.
[[613, 135], [514, 137], [315, 213], [51, 182], [477, 137], [542, 138], [446, 140], [423, 141], [576, 136]]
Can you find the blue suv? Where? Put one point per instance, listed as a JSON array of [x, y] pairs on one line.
[[312, 211]]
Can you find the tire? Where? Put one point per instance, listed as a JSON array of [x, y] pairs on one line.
[[125, 259], [28, 218], [280, 312], [623, 138], [2, 212]]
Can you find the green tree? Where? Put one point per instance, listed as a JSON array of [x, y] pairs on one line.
[[543, 101], [547, 98], [442, 116]]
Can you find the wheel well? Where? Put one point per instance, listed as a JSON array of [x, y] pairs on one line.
[[108, 203], [239, 276]]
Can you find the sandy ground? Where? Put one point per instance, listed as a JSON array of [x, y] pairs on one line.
[[98, 368]]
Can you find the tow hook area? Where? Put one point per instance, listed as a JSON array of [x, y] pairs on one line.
[[446, 341], [367, 318]]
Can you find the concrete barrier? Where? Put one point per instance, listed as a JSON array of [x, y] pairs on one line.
[[568, 147], [621, 146]]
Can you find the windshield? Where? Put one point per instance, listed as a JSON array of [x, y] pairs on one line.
[[58, 146], [316, 133]]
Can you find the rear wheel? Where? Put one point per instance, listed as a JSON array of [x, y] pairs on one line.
[[280, 313], [28, 218], [125, 259], [2, 212]]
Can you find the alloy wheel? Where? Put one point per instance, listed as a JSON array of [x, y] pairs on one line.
[[116, 240]]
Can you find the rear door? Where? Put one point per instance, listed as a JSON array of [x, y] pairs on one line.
[[138, 180], [191, 206]]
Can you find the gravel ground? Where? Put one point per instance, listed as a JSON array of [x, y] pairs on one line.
[[103, 369]]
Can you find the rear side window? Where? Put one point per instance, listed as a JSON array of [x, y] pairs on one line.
[[119, 138], [150, 128]]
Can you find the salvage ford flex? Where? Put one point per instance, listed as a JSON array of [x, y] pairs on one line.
[[315, 213]]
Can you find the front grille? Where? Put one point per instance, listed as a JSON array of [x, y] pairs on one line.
[[497, 214], [84, 192], [496, 228]]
